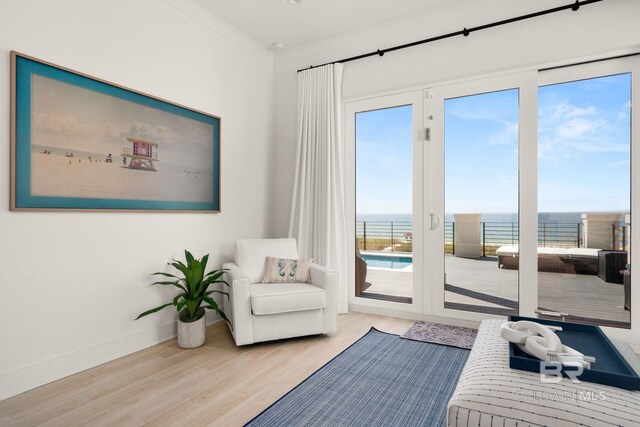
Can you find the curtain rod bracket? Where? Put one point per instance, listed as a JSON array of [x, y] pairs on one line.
[[381, 53], [465, 32], [576, 6]]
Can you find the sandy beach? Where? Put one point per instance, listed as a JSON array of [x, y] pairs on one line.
[[60, 176]]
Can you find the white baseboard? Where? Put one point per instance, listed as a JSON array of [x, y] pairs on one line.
[[415, 316], [38, 374]]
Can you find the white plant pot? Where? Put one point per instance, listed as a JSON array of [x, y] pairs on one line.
[[191, 334]]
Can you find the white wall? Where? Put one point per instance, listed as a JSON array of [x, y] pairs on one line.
[[594, 29], [72, 283]]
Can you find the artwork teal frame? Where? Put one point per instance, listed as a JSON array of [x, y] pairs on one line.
[[23, 67]]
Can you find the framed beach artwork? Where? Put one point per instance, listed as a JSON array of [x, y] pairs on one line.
[[81, 143]]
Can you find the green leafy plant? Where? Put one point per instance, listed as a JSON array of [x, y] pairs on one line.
[[194, 289]]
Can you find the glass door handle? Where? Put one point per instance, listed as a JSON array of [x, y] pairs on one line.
[[435, 221]]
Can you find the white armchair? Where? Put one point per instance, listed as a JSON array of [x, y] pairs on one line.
[[265, 312]]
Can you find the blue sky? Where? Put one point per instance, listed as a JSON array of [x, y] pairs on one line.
[[583, 151], [584, 145], [383, 161], [481, 153]]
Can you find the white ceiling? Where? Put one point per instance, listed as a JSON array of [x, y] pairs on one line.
[[277, 21]]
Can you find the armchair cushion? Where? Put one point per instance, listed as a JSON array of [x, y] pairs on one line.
[[251, 254], [280, 270], [277, 298]]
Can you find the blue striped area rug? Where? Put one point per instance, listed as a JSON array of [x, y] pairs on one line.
[[380, 380]]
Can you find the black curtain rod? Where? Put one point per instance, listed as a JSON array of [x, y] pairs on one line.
[[464, 32], [590, 61]]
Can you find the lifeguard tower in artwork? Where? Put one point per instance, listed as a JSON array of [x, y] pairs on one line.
[[142, 154]]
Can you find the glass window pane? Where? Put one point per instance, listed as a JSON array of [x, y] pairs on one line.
[[584, 187], [481, 202], [384, 204]]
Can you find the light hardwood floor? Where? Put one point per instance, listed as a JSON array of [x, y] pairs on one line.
[[217, 384]]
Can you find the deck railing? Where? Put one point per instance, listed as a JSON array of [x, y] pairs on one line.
[[394, 236], [397, 236]]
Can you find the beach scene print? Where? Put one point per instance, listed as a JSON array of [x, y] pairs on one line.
[[86, 144]]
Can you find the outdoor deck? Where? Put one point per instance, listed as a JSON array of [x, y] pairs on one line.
[[478, 285]]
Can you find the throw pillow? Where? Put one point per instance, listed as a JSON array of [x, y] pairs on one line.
[[280, 270]]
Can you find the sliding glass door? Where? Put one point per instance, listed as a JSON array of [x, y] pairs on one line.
[[584, 193], [500, 196], [385, 144], [474, 158]]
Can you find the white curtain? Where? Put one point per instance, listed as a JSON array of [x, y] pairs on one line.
[[318, 219]]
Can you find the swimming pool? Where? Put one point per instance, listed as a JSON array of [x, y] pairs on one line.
[[384, 261]]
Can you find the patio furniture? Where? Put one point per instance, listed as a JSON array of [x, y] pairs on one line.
[[610, 263], [553, 260], [272, 311], [508, 257], [583, 261], [361, 273]]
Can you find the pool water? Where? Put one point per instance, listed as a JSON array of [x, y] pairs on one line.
[[383, 261]]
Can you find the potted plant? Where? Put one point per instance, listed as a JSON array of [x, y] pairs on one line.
[[193, 299]]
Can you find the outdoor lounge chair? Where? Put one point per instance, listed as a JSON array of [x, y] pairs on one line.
[[361, 273], [553, 260], [610, 265]]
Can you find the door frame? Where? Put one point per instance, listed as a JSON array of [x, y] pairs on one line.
[[532, 77], [414, 98], [526, 83]]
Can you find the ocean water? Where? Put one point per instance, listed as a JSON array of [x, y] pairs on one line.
[[546, 217], [559, 227]]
